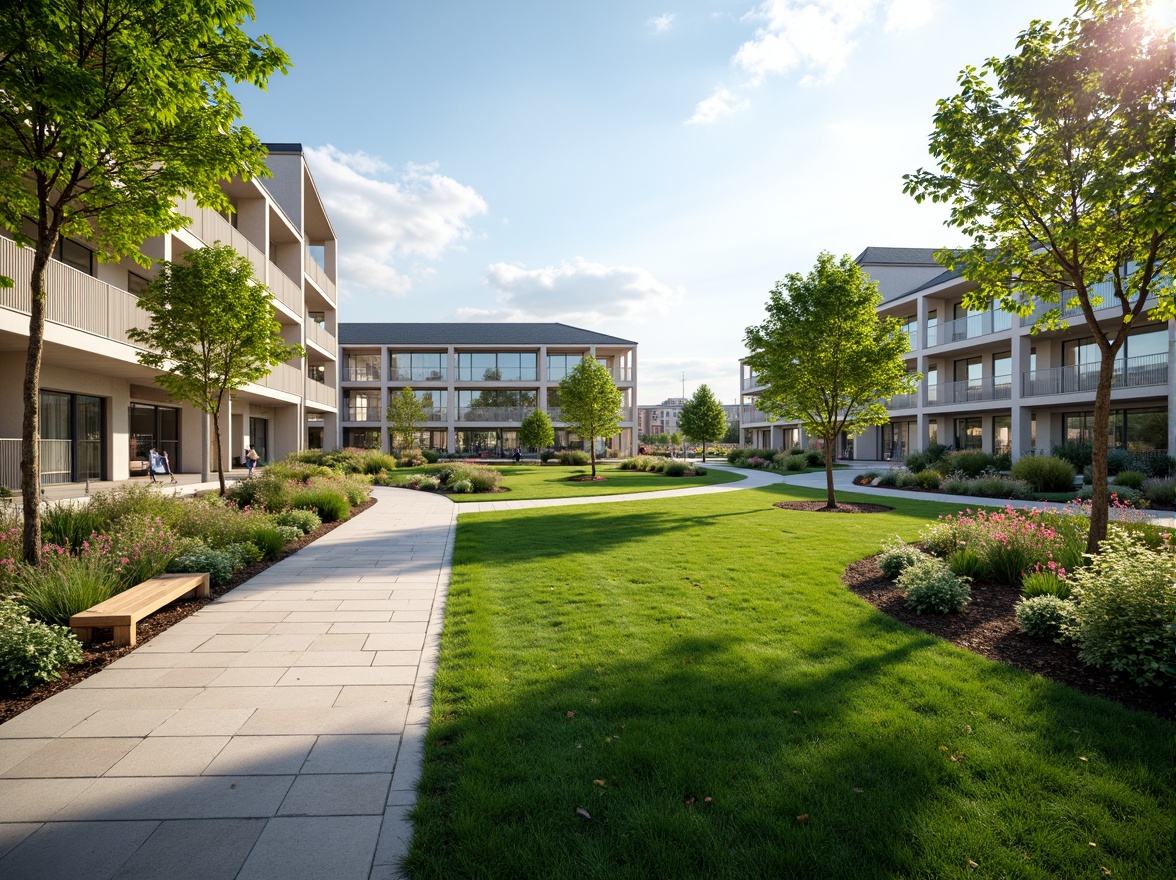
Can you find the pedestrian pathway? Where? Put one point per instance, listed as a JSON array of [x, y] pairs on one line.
[[276, 733]]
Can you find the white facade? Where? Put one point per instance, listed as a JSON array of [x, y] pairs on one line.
[[991, 384], [101, 410]]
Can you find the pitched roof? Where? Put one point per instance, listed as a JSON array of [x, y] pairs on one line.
[[472, 334], [898, 256]]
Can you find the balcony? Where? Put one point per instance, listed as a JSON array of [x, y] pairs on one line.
[[318, 277], [418, 374], [74, 298], [970, 327], [319, 335], [750, 382], [1103, 289], [361, 373], [903, 401], [56, 458], [284, 290], [752, 414], [360, 412], [494, 413], [1137, 372], [284, 378], [970, 391], [317, 392]]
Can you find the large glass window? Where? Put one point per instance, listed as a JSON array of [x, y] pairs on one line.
[[495, 405], [435, 403], [74, 254], [418, 366], [362, 368], [969, 434], [560, 365], [361, 438], [362, 406], [1002, 434], [489, 366], [1140, 430], [157, 426]]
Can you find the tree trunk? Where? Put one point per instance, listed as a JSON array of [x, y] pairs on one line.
[[1100, 503], [220, 459], [831, 500], [30, 435], [592, 452], [704, 450]]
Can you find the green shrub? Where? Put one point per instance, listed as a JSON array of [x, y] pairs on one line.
[[906, 480], [245, 553], [410, 458], [1045, 473], [889, 478], [937, 451], [971, 463], [331, 505], [430, 456], [131, 500], [1044, 582], [795, 462], [966, 563], [268, 540], [344, 461], [734, 455], [290, 469], [215, 522], [999, 486], [1077, 454], [699, 471], [372, 461], [69, 525], [918, 461], [289, 533], [1125, 598], [218, 564], [63, 584], [1160, 491], [32, 652], [869, 476], [813, 458], [1045, 616], [462, 487], [546, 455], [677, 469], [1119, 460], [927, 479], [1119, 494], [423, 482], [574, 457], [659, 465], [271, 490], [931, 587], [305, 521], [1088, 476], [484, 479], [956, 484], [1002, 461], [897, 556], [144, 547], [1130, 479]]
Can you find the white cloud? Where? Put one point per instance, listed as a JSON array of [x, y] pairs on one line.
[[582, 291], [662, 23], [723, 102], [385, 217], [812, 37]]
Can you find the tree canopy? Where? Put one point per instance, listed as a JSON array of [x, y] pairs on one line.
[[406, 413], [703, 418], [212, 329], [536, 431], [1059, 162], [590, 403], [110, 111], [824, 356]]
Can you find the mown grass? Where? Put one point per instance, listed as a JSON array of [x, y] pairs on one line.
[[527, 482], [636, 659]]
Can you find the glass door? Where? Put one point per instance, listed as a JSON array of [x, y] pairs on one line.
[[259, 437]]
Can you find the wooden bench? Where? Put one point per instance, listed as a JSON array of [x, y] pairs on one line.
[[124, 611]]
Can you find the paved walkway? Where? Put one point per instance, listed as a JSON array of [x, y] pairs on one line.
[[277, 733]]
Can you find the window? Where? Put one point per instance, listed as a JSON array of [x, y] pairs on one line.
[[418, 366], [73, 437], [361, 438], [362, 368], [136, 284], [316, 373], [435, 404], [969, 434], [489, 366], [1002, 434], [319, 318], [559, 365], [363, 406], [74, 254], [932, 327]]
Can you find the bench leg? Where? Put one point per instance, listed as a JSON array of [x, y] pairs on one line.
[[85, 634], [124, 636], [204, 591]]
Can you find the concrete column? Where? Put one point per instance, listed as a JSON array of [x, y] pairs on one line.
[[1022, 441], [1171, 387], [385, 397], [541, 374], [451, 409]]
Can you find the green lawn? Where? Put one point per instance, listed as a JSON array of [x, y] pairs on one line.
[[550, 481], [636, 659]]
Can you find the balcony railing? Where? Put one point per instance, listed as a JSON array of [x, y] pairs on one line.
[[1103, 289], [361, 412], [317, 392], [56, 458], [750, 382], [971, 326], [754, 414], [74, 299], [319, 336], [903, 401], [418, 374], [284, 378], [437, 414], [493, 413], [209, 226], [970, 391], [1136, 372], [284, 290], [365, 373], [318, 277]]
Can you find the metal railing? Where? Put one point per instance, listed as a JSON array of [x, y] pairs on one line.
[[1136, 372], [73, 299], [750, 382], [418, 374], [970, 391], [493, 413], [1103, 289], [370, 373], [903, 401], [56, 461], [209, 226], [284, 290], [754, 414], [972, 326], [353, 412]]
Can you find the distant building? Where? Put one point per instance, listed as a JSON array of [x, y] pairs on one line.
[[662, 418]]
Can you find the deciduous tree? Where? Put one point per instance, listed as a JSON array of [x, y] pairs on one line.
[[109, 111], [536, 431], [590, 403], [703, 418], [826, 358], [1059, 162], [212, 329], [406, 413]]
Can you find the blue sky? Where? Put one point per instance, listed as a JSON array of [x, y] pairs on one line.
[[648, 170]]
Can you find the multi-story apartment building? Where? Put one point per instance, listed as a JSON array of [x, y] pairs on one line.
[[661, 418], [101, 411], [476, 381], [989, 382]]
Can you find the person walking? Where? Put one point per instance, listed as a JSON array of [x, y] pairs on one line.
[[518, 455], [166, 462], [251, 458], [152, 464]]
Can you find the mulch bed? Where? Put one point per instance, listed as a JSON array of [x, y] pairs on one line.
[[102, 652], [588, 479], [988, 627], [823, 507]]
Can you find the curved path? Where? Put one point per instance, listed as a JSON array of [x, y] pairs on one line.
[[276, 733]]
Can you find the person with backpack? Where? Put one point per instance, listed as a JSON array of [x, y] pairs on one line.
[[251, 459]]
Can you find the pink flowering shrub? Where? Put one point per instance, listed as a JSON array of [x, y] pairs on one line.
[[144, 547]]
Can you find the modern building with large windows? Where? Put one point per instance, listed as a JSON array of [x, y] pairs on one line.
[[477, 381], [101, 411], [989, 382]]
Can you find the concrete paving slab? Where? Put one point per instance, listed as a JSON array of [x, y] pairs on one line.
[[305, 676], [193, 850], [120, 722], [248, 676], [267, 698], [338, 642], [379, 641], [374, 695], [75, 850], [397, 658], [204, 722], [353, 754], [230, 644], [261, 756], [12, 833], [395, 837], [72, 757], [314, 848], [177, 797], [37, 800], [343, 719], [330, 794], [170, 756], [13, 751], [336, 658]]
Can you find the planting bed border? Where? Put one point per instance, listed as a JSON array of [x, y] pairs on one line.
[[988, 627], [97, 655]]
